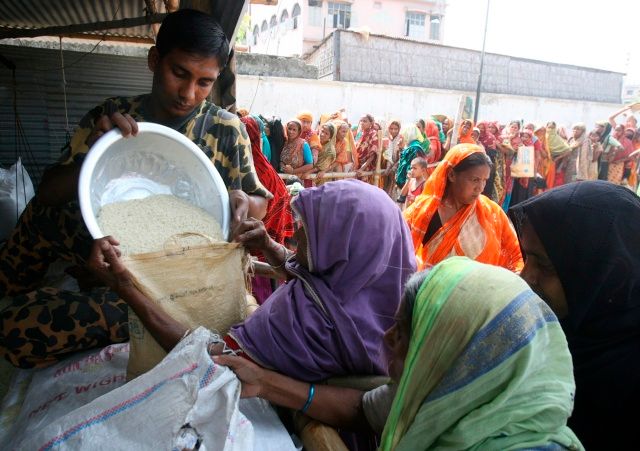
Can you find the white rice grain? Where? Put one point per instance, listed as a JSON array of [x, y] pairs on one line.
[[145, 225]]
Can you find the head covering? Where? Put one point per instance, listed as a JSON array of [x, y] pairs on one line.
[[277, 138], [293, 150], [604, 136], [557, 146], [487, 366], [528, 140], [345, 146], [466, 138], [433, 135], [580, 125], [437, 182], [413, 142], [305, 116], [330, 320], [295, 121], [487, 138], [411, 133], [391, 154], [266, 146], [442, 118], [327, 155], [368, 144], [589, 230], [459, 236], [278, 221]]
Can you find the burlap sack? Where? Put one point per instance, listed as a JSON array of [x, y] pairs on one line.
[[200, 285]]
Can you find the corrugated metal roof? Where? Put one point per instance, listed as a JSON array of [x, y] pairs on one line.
[[37, 14], [32, 14]]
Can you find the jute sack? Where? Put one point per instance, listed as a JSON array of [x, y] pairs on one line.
[[202, 285]]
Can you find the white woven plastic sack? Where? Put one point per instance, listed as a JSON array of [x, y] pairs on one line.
[[186, 402], [55, 391]]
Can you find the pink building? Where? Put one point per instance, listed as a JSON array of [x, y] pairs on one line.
[[293, 27]]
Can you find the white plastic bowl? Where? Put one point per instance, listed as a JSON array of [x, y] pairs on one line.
[[159, 160]]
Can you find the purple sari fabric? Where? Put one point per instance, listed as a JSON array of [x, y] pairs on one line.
[[330, 320]]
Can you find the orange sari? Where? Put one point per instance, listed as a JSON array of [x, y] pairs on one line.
[[468, 138], [480, 231]]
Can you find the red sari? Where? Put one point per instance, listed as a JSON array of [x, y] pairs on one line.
[[278, 221], [435, 146], [367, 145]]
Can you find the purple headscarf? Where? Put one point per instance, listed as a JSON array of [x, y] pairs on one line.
[[330, 320]]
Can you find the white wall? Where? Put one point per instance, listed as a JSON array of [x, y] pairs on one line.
[[284, 97], [378, 16]]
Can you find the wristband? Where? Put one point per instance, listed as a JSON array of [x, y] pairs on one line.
[[312, 392]]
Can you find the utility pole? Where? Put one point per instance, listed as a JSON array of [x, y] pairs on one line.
[[484, 41]]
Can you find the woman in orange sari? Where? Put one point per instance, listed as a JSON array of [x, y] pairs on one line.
[[452, 217], [465, 132], [346, 155]]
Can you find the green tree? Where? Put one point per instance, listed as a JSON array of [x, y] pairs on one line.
[[243, 29]]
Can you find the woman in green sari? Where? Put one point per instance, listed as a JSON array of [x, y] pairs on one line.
[[487, 366], [480, 362]]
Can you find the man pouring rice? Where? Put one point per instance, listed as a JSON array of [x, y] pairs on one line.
[[41, 325]]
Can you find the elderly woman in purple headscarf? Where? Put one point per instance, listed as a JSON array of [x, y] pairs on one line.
[[344, 286]]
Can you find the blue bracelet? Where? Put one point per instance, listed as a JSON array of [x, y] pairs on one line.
[[312, 392]]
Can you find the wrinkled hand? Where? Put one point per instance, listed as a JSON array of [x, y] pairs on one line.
[[239, 201], [105, 263], [127, 125], [320, 175], [252, 234], [250, 374], [288, 169]]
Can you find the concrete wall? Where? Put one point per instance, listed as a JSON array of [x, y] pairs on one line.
[[284, 97], [323, 59], [380, 59], [274, 66]]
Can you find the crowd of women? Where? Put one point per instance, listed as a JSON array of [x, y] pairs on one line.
[[608, 151], [507, 321], [573, 244], [479, 357]]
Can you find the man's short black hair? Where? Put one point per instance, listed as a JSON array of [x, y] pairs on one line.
[[193, 31]]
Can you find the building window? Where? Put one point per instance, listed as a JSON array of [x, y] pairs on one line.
[[284, 16], [434, 29], [273, 22], [340, 15], [629, 92], [256, 32], [264, 26], [414, 25], [315, 13], [295, 14]]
